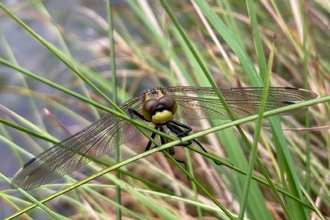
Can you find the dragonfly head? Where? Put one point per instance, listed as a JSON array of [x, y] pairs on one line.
[[159, 111]]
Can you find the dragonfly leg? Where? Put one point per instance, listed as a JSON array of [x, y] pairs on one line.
[[179, 133], [177, 130], [163, 141], [133, 112], [171, 150], [178, 125], [153, 135]]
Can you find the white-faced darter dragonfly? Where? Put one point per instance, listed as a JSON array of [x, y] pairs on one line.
[[157, 107]]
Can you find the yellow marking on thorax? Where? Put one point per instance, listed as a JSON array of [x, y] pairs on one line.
[[161, 118]]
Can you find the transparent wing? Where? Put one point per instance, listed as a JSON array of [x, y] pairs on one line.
[[69, 155], [242, 101]]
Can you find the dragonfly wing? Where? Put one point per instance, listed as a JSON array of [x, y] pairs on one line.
[[242, 101], [69, 155], [250, 93], [202, 108]]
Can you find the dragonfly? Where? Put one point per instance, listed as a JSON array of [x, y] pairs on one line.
[[158, 107]]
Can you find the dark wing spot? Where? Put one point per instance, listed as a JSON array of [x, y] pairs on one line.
[[288, 102], [29, 162]]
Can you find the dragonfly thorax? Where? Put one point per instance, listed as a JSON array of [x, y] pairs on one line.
[[159, 111]]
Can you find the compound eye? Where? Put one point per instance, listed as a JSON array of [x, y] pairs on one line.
[[149, 107], [169, 103]]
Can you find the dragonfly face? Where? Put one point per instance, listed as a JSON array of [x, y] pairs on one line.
[[157, 107]]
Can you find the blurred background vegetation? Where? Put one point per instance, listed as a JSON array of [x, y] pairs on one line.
[[234, 40]]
